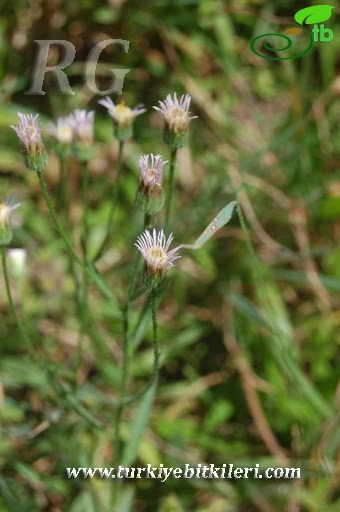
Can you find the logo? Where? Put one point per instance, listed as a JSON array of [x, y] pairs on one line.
[[69, 52], [315, 16]]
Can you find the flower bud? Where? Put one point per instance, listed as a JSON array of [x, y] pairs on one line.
[[82, 123], [150, 195], [29, 134], [62, 132], [176, 120]]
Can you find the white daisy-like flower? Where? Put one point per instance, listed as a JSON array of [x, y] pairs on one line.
[[121, 114], [176, 113], [154, 247], [62, 130], [123, 117], [82, 124]]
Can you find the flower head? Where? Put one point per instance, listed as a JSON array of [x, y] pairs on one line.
[[122, 116], [154, 248], [82, 124], [150, 196], [29, 133], [177, 118], [151, 176], [62, 132], [6, 209]]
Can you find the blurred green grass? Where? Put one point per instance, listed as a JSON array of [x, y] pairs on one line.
[[272, 127]]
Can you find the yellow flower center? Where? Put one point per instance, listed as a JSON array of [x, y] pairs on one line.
[[178, 119], [157, 255], [122, 114], [65, 134]]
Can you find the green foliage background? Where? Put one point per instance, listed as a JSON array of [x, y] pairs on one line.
[[249, 340]]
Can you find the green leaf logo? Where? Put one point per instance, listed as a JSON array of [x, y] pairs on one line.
[[314, 14]]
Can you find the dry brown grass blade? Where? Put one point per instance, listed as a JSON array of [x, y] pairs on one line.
[[298, 219]]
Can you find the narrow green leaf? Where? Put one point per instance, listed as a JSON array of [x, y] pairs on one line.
[[221, 219], [139, 426]]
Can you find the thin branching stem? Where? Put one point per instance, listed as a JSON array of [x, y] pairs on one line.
[[148, 221], [173, 156], [62, 186], [90, 269], [85, 191], [84, 314], [114, 202], [24, 336], [60, 387], [153, 304], [123, 386]]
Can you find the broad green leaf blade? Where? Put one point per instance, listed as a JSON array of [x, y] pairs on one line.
[[314, 14], [221, 219]]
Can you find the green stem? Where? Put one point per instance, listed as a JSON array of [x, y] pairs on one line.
[[62, 186], [126, 353], [153, 304], [123, 386], [148, 221], [85, 175], [173, 156], [90, 269], [56, 223], [117, 186], [12, 306], [85, 236], [115, 196], [126, 356], [136, 265], [147, 396], [60, 388], [129, 399]]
